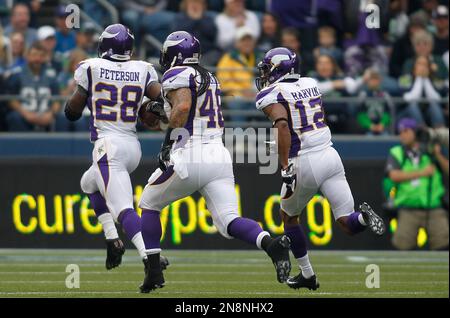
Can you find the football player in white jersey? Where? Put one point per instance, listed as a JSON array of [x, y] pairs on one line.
[[198, 161], [308, 161], [113, 86]]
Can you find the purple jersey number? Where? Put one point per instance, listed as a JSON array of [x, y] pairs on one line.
[[127, 104], [209, 108], [317, 118]]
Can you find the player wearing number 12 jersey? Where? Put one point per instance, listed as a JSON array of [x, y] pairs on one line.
[[309, 163], [197, 161], [113, 86]]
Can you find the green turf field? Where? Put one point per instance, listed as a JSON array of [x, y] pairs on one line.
[[42, 273]]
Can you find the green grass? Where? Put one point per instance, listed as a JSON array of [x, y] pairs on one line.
[[42, 273]]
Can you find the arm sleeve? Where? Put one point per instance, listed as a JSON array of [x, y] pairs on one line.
[[416, 90], [80, 75], [325, 87], [430, 91], [177, 77], [266, 97], [152, 76]]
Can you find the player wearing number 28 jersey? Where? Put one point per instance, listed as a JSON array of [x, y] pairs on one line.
[[309, 163], [113, 86], [197, 161]]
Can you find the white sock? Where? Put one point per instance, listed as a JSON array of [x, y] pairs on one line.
[[138, 241], [361, 220], [305, 266], [109, 228], [260, 237]]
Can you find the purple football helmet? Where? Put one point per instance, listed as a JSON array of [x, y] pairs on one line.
[[179, 48], [116, 43], [277, 63]]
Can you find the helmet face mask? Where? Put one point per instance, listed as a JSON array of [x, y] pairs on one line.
[[264, 73], [276, 64]]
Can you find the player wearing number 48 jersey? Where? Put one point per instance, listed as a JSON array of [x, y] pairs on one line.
[[113, 86], [198, 161], [309, 163]]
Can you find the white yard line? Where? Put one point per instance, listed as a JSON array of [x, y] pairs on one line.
[[374, 293], [207, 282], [240, 273], [172, 265]]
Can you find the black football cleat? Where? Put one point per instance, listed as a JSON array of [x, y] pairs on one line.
[[373, 221], [154, 277], [164, 262], [114, 251], [301, 282], [278, 250]]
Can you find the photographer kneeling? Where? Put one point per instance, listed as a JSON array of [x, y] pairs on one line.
[[417, 175]]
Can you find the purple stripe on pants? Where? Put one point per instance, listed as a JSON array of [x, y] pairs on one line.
[[104, 169], [164, 176]]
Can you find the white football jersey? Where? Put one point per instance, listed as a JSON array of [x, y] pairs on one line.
[[115, 93], [303, 101], [205, 122]]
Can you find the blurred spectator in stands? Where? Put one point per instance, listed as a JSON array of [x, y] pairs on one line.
[[235, 72], [67, 86], [300, 15], [422, 87], [423, 46], [417, 174], [65, 37], [333, 83], [365, 50], [327, 44], [194, 19], [374, 116], [398, 20], [290, 38], [17, 49], [271, 34], [148, 16], [20, 21], [440, 20], [234, 16], [35, 11], [87, 39], [403, 48], [425, 13], [47, 38], [99, 13], [5, 52], [32, 110]]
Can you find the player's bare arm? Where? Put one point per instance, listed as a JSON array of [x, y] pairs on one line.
[[181, 101], [76, 103], [279, 117], [153, 91]]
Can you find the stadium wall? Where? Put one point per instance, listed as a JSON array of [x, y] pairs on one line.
[[41, 207]]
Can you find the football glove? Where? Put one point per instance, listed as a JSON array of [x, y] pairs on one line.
[[289, 177], [156, 107], [164, 156]]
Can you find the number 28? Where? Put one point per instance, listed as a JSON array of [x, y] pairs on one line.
[[126, 105]]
